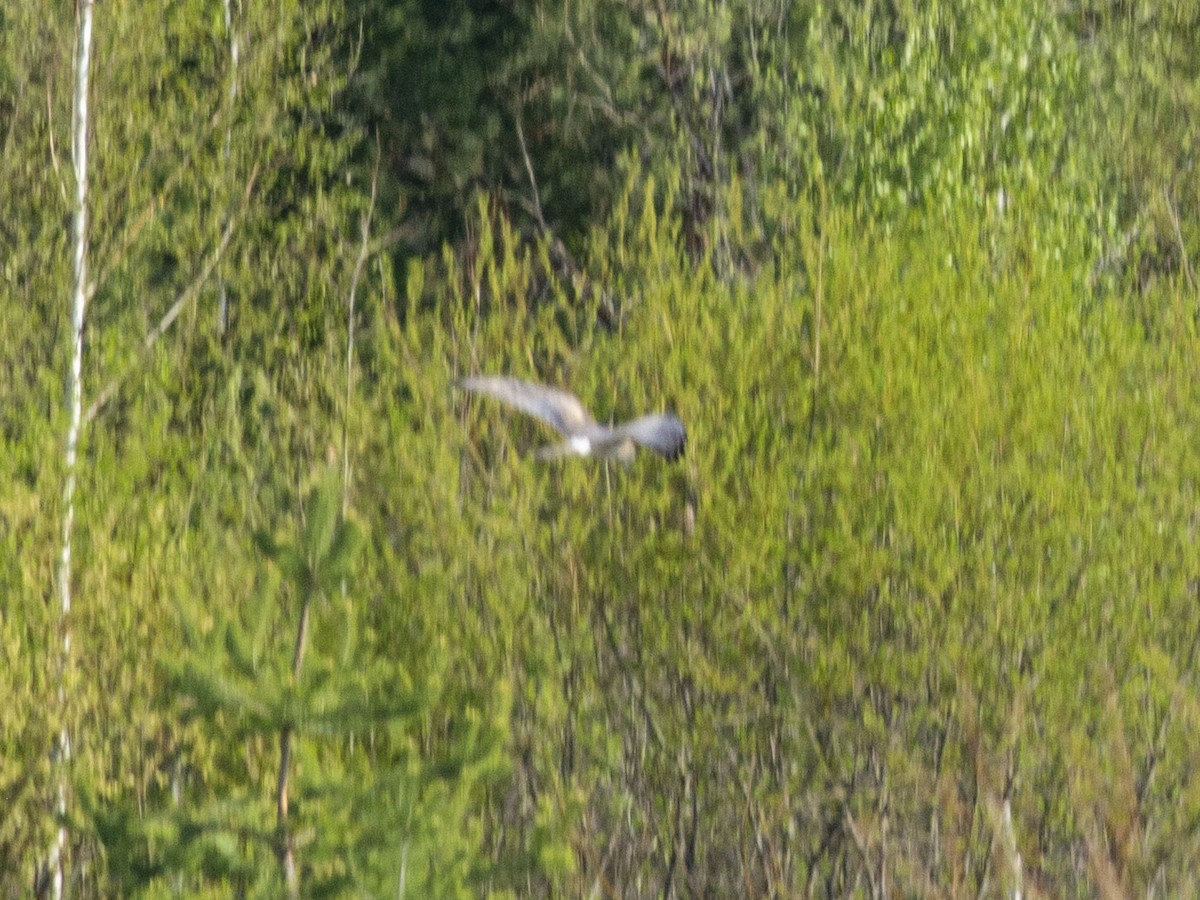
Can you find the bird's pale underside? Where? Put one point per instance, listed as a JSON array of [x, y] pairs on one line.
[[661, 432]]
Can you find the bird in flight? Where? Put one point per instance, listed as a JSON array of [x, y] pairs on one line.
[[661, 432]]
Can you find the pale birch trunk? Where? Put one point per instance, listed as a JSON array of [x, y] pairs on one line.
[[75, 410], [222, 293]]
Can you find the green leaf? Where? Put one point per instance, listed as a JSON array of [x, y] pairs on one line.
[[322, 515], [347, 542]]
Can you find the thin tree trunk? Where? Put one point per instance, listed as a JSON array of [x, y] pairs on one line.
[[75, 411], [222, 293], [287, 853], [350, 312]]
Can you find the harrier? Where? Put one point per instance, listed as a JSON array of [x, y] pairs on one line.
[[661, 432]]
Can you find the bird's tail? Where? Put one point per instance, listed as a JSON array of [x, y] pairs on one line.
[[554, 451]]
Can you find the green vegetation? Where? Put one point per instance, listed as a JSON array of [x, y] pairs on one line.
[[918, 612]]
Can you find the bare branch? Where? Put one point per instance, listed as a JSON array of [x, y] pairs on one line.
[[861, 845], [363, 250], [537, 200], [62, 188], [1185, 263]]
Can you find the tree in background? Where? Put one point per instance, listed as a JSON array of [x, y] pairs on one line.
[[79, 144], [351, 802]]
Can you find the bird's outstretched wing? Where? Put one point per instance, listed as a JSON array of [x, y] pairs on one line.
[[661, 432], [557, 408]]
